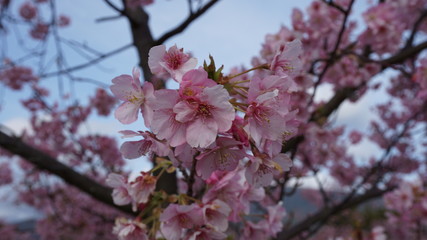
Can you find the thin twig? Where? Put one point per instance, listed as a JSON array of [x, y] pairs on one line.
[[333, 54], [186, 23], [414, 31], [87, 64], [333, 4]]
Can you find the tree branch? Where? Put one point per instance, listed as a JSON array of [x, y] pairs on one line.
[[334, 5], [325, 214], [45, 162], [109, 3], [323, 112], [143, 41], [414, 31], [186, 23], [333, 55], [87, 64], [403, 55]]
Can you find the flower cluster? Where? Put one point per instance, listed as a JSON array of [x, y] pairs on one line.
[[407, 206], [31, 12], [16, 76], [223, 131]]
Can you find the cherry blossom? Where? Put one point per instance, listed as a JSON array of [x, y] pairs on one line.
[[39, 31], [28, 11], [286, 61], [128, 89], [15, 77], [130, 230], [136, 149], [261, 169], [141, 188], [174, 61], [177, 218], [121, 195], [224, 155], [103, 102]]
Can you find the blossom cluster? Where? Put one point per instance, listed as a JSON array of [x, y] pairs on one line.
[[228, 136], [16, 76], [30, 12], [407, 206], [213, 127]]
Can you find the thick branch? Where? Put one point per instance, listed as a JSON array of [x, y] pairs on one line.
[[414, 31], [45, 162], [143, 41], [404, 55]]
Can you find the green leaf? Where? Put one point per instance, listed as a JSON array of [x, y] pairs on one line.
[[213, 73]]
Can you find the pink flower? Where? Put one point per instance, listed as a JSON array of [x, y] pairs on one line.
[[103, 102], [63, 21], [136, 149], [141, 188], [223, 156], [177, 218], [249, 194], [238, 132], [274, 222], [128, 88], [16, 76], [183, 155], [253, 231], [196, 118], [261, 169], [119, 184], [287, 59], [174, 61], [215, 215], [355, 137], [28, 11], [39, 31], [229, 188], [206, 114], [130, 230], [164, 124], [204, 234], [193, 83], [264, 121]]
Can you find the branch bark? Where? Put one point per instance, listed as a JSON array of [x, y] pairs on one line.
[[45, 162]]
